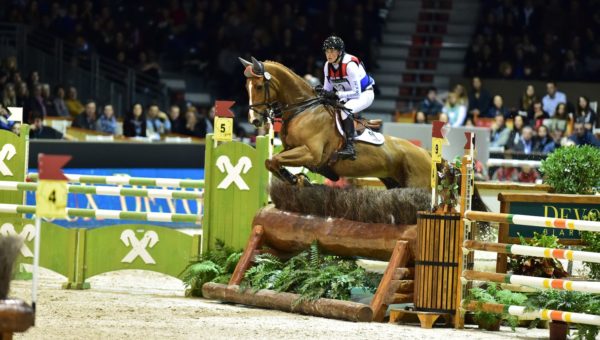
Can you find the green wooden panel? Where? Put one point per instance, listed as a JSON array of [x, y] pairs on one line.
[[57, 244], [132, 246], [235, 182], [13, 166]]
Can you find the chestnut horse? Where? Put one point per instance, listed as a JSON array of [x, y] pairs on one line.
[[310, 137]]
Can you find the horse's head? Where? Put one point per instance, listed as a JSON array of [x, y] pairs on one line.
[[261, 94]]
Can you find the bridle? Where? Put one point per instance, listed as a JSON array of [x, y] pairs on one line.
[[275, 110]]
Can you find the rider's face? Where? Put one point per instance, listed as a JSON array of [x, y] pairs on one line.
[[332, 55]]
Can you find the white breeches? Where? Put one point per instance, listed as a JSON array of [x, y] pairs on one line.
[[359, 104]]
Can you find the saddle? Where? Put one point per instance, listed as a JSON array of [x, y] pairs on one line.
[[361, 123]]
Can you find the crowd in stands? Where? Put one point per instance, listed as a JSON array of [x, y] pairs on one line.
[[205, 37], [534, 39], [536, 125], [39, 102]]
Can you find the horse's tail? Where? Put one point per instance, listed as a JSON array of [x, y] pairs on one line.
[[9, 249], [477, 202]]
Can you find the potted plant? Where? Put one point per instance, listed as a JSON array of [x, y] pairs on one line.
[[493, 294], [538, 266], [567, 301], [573, 170]]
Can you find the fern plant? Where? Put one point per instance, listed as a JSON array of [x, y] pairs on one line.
[[216, 265], [309, 274]]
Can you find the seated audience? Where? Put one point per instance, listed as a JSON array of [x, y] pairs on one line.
[[134, 124], [87, 119], [430, 105], [107, 122]]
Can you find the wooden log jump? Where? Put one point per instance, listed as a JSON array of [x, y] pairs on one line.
[[264, 298], [292, 233], [543, 314], [516, 249], [534, 221], [532, 281]]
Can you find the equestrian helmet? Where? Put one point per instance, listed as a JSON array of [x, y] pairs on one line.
[[335, 43]]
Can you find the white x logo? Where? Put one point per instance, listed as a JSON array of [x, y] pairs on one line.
[[233, 172], [149, 239], [6, 154], [28, 234]]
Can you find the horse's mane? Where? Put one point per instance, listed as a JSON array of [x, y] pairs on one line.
[[294, 75]]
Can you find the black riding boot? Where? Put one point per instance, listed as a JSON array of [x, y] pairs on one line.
[[348, 151]]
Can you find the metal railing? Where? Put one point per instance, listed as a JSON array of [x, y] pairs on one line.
[[95, 77]]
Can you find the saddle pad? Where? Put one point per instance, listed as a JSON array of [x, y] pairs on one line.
[[368, 135]]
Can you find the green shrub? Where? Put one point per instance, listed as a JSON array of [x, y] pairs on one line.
[[493, 294], [573, 170]]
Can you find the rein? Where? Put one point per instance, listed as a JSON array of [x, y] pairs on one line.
[[276, 110]]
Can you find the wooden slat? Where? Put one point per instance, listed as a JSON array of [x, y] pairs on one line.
[[402, 298], [399, 258], [254, 243]]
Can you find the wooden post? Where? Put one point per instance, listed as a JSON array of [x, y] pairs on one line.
[[459, 321], [380, 302], [254, 243]]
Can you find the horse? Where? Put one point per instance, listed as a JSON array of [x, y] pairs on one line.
[[310, 138]]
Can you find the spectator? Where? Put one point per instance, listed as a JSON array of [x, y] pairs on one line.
[[556, 142], [48, 102], [457, 113], [177, 121], [73, 104], [158, 122], [39, 131], [36, 102], [461, 95], [581, 136], [586, 112], [9, 96], [500, 132], [107, 123], [22, 94], [479, 100], [559, 120], [498, 108], [538, 115], [87, 119], [430, 105], [60, 107], [552, 98], [443, 117], [194, 126], [515, 133], [528, 174], [542, 138], [420, 118], [528, 99], [526, 143], [506, 174], [134, 124]]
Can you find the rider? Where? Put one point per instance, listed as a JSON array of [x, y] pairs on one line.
[[346, 75]]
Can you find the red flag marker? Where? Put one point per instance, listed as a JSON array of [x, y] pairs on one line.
[[277, 123], [222, 108], [436, 131], [50, 166], [470, 136]]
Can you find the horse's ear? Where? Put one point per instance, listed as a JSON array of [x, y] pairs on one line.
[[245, 62], [257, 67]]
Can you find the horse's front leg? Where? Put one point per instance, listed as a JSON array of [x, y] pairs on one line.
[[298, 156]]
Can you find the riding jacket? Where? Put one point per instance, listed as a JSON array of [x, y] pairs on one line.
[[348, 78]]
